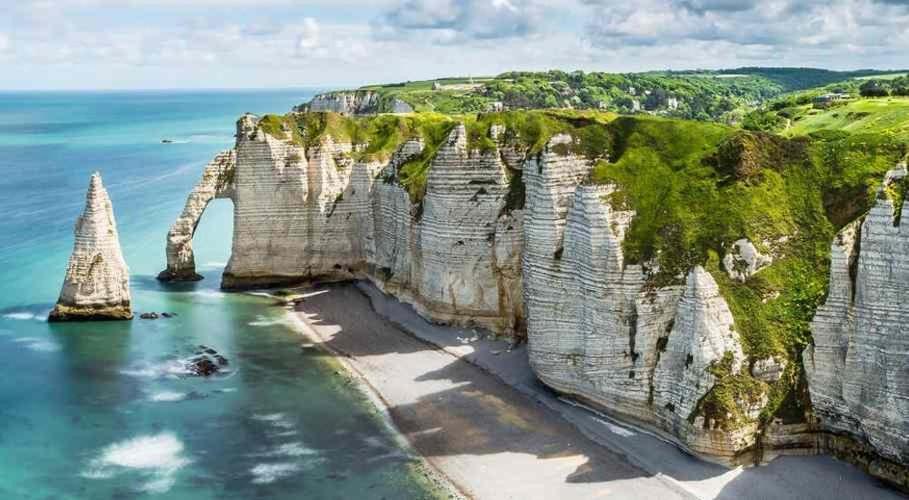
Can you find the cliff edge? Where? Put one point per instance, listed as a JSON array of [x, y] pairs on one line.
[[670, 273]]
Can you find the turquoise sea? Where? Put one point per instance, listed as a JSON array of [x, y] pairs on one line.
[[104, 410]]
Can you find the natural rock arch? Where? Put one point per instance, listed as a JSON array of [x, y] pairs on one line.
[[217, 182]]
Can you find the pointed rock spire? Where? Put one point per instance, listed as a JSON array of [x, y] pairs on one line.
[[96, 286]]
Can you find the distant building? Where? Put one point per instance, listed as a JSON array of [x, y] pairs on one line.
[[827, 100], [436, 86], [495, 106]]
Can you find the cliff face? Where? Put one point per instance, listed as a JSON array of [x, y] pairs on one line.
[[858, 363], [598, 330], [316, 213], [96, 286], [216, 182], [476, 227], [360, 102]]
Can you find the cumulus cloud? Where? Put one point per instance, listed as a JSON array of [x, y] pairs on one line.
[[309, 35], [449, 21], [808, 26]]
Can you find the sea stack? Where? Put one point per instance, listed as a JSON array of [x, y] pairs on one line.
[[96, 286]]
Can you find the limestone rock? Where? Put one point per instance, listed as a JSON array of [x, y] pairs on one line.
[[96, 286], [596, 328], [216, 182], [768, 369], [743, 260], [360, 102], [858, 362]]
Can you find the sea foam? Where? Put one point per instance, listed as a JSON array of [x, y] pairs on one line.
[[159, 456], [167, 396], [269, 473]]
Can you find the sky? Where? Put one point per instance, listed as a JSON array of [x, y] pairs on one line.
[[161, 44]]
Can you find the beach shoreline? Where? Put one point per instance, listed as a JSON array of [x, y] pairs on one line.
[[486, 439], [344, 318], [431, 471]]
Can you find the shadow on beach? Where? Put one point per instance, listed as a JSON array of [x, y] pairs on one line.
[[448, 407]]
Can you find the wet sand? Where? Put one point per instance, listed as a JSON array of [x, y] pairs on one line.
[[472, 408]]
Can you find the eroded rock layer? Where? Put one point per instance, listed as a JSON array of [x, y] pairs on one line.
[[858, 363], [470, 247], [361, 102], [317, 213], [216, 182], [598, 330], [96, 286]]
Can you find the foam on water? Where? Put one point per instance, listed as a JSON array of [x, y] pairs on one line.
[[38, 345], [158, 456], [167, 396], [277, 420], [22, 316], [269, 473], [264, 321], [166, 369], [294, 449]]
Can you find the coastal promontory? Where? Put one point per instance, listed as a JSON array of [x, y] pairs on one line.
[[96, 286]]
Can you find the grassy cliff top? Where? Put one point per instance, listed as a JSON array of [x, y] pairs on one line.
[[723, 95], [888, 116], [696, 187]]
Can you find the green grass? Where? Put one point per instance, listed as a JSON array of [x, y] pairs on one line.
[[697, 187], [889, 115]]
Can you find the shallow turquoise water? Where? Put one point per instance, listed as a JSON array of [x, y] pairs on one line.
[[103, 410]]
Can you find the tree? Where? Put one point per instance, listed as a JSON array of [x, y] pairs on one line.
[[874, 88]]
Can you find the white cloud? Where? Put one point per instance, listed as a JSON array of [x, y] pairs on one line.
[[309, 35], [186, 43], [463, 21]]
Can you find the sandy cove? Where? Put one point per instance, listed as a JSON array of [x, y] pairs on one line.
[[472, 408]]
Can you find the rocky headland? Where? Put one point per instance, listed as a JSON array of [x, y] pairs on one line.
[[96, 286], [670, 273]]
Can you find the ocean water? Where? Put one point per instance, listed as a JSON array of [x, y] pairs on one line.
[[104, 410]]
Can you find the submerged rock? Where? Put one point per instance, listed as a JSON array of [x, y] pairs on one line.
[[96, 286], [206, 362], [151, 315], [202, 366]]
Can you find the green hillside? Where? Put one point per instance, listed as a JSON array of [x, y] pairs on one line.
[[696, 187], [888, 116], [724, 95]]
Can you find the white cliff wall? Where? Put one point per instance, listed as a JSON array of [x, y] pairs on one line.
[[360, 102], [598, 331], [316, 214], [457, 260], [216, 182], [597, 326], [858, 364], [298, 213]]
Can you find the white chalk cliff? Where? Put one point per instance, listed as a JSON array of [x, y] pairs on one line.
[[598, 328], [858, 363], [96, 286], [359, 102]]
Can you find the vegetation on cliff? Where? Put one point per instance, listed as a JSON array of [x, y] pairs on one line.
[[723, 95], [696, 187]]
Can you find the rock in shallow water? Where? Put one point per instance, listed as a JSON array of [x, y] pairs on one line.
[[206, 362], [96, 286]]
